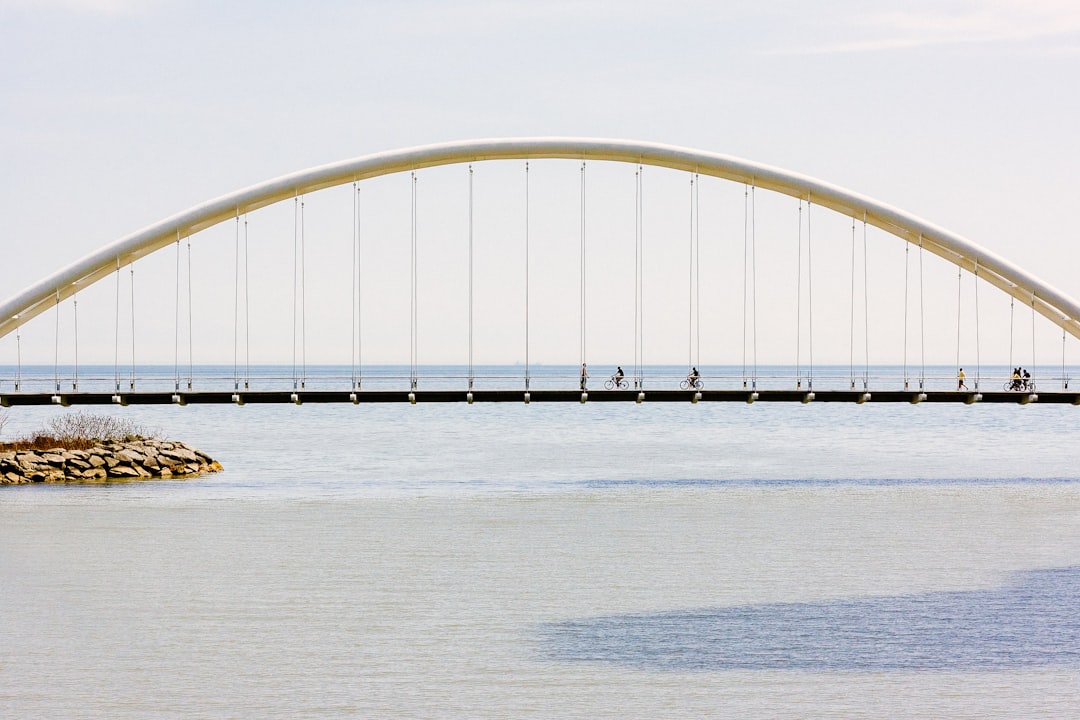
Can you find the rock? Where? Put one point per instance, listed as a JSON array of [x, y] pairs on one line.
[[53, 458], [165, 473], [75, 463], [151, 461], [181, 453], [111, 461], [129, 456], [123, 471], [96, 460], [96, 473], [13, 478]]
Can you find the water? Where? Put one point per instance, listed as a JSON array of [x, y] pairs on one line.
[[558, 561]]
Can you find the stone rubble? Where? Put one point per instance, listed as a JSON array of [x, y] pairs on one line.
[[136, 458]]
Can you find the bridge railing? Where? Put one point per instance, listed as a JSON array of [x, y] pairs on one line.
[[277, 378]]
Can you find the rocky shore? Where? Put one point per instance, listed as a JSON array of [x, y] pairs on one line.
[[133, 459]]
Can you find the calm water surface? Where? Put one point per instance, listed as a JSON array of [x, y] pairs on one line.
[[558, 561]]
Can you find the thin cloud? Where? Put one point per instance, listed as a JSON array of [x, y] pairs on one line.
[[1004, 21], [86, 7]]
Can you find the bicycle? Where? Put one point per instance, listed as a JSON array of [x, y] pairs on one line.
[[1020, 385], [616, 383], [687, 384]]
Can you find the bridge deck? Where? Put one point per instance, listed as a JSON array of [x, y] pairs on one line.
[[541, 396]]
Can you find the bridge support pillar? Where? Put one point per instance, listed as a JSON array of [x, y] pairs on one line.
[[1029, 398], [60, 400], [752, 398], [808, 397], [527, 397], [238, 399], [584, 397], [179, 399], [119, 400], [973, 398], [863, 398], [918, 398], [412, 398], [468, 397], [641, 397]]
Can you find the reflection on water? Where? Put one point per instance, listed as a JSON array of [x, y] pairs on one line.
[[1032, 623]]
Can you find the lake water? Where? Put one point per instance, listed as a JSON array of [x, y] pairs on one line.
[[598, 560]]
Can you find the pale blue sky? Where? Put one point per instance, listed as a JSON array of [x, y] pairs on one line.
[[116, 113]]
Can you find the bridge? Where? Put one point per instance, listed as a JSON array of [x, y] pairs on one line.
[[601, 253]]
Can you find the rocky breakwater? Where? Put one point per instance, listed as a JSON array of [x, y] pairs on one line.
[[132, 459]]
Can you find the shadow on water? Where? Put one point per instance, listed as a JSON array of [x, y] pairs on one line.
[[1032, 623]]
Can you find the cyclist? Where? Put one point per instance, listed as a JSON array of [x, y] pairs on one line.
[[693, 378], [618, 376]]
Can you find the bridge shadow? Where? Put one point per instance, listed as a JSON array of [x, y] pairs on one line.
[[1034, 622]]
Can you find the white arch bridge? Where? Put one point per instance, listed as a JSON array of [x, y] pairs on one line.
[[1042, 299]]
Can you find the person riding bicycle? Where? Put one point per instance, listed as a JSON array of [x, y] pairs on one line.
[[1015, 379], [693, 378], [617, 378]]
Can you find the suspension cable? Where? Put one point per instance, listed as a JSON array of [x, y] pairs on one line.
[[810, 295], [358, 289], [470, 277], [851, 332], [352, 298], [75, 313], [639, 278], [1064, 377], [922, 321], [1033, 334], [414, 315], [247, 310], [746, 252], [295, 280], [526, 275], [236, 304], [959, 294], [116, 331], [582, 288], [907, 264], [176, 319], [303, 299], [798, 306], [18, 357], [131, 380], [56, 344], [1012, 318], [978, 354], [690, 284], [697, 269], [866, 311]]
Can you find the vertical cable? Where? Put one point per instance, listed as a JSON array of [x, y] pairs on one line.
[[851, 337], [1033, 336], [959, 288], [637, 277], [56, 344], [922, 321], [907, 265], [582, 309], [809, 296], [1012, 317], [978, 352], [303, 300], [866, 311], [75, 312], [295, 282], [697, 270], [236, 305], [176, 319], [359, 277], [753, 268], [131, 381], [798, 306], [247, 310], [746, 253], [352, 297], [1064, 377], [116, 331], [527, 378], [18, 357], [413, 312], [470, 277], [191, 337], [690, 285]]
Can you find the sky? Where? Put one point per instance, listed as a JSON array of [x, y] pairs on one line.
[[117, 113]]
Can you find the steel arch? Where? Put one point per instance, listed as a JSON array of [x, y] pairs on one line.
[[1058, 307]]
